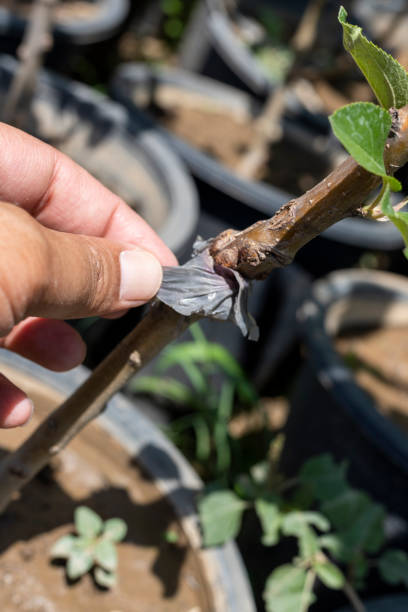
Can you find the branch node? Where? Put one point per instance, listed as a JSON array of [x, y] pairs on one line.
[[135, 360]]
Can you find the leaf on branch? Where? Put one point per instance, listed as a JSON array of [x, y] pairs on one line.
[[386, 77], [271, 519], [323, 476], [359, 521], [363, 128], [393, 566], [220, 514], [329, 574], [87, 522], [397, 217], [288, 590], [299, 524]]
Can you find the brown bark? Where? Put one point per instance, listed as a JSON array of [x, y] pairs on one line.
[[273, 243]]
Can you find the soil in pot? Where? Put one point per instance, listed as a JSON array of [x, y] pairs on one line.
[[65, 11], [95, 471], [228, 136], [379, 359]]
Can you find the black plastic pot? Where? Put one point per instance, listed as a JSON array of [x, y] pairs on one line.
[[212, 47], [391, 603], [330, 412], [98, 27], [241, 202], [163, 464]]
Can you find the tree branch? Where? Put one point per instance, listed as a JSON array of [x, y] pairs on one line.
[[160, 326], [273, 243]]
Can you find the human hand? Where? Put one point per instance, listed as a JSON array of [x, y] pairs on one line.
[[69, 248]]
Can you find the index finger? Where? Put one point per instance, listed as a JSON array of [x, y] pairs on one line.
[[63, 196]]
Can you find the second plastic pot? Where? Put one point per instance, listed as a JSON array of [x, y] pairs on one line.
[[329, 411]]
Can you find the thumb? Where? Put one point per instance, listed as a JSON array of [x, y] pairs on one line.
[[54, 274]]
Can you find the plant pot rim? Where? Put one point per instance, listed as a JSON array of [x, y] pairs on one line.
[[390, 603], [223, 568], [266, 199], [330, 368], [234, 52], [103, 25], [179, 227]]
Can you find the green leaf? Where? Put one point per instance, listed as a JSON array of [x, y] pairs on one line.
[[63, 547], [393, 566], [114, 529], [168, 388], [385, 75], [364, 534], [105, 579], [171, 536], [397, 217], [323, 476], [299, 524], [332, 543], [203, 438], [343, 509], [79, 563], [271, 519], [363, 129], [87, 522], [288, 590], [329, 574], [295, 520], [220, 514], [105, 555], [210, 353], [359, 521]]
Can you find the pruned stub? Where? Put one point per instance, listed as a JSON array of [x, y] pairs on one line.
[[253, 259]]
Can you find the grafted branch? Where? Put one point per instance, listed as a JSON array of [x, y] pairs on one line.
[[274, 242], [254, 252]]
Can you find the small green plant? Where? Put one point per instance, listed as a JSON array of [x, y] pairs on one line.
[[339, 530], [217, 384], [92, 548]]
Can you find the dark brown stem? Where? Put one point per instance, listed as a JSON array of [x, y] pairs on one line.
[[273, 243], [353, 598], [37, 40], [160, 326]]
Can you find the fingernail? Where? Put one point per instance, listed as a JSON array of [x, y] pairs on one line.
[[141, 276], [20, 415]]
